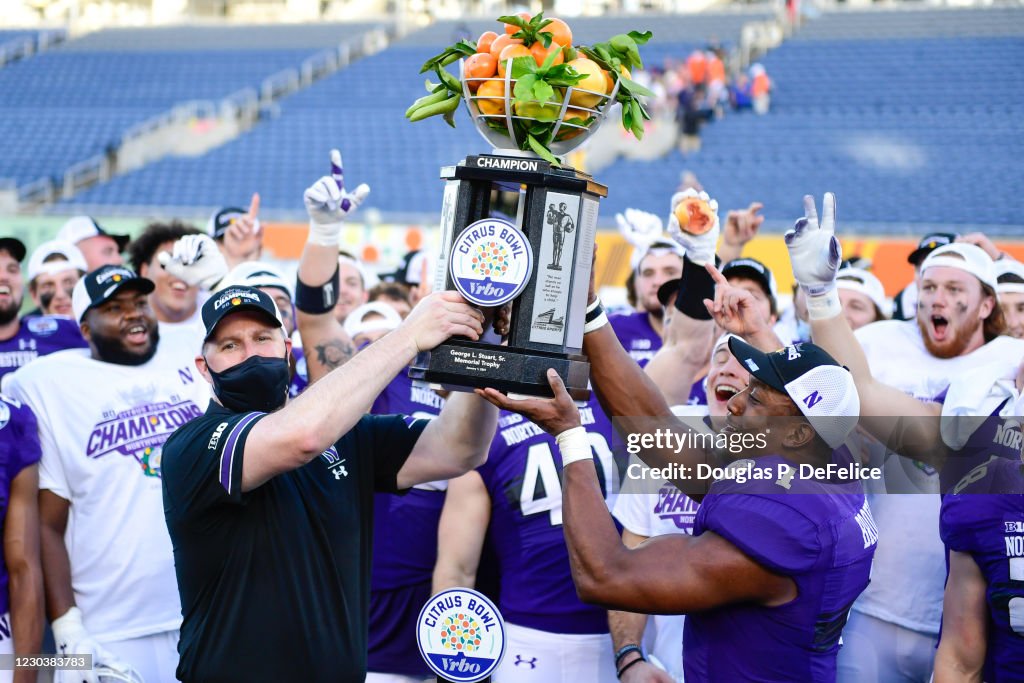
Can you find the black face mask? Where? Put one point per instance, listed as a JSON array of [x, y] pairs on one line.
[[256, 384]]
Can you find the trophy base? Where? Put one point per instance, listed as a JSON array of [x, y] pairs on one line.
[[468, 366]]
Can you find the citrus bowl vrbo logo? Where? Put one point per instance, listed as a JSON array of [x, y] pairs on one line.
[[491, 262], [461, 635]]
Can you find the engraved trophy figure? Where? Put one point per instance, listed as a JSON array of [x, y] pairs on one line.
[[561, 223]]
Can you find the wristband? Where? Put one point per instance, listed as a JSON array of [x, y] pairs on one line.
[[320, 299], [625, 650], [574, 446], [618, 674], [824, 306], [695, 285], [596, 317]]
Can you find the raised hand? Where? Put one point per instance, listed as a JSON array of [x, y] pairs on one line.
[[195, 260], [741, 226], [243, 240], [328, 204], [639, 228], [553, 415], [734, 309], [440, 316], [814, 250], [700, 249]]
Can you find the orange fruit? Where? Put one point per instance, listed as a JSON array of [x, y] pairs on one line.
[[540, 53], [560, 32], [483, 43], [490, 98], [501, 42], [477, 67], [694, 215], [593, 80], [512, 28], [511, 52], [573, 115], [611, 83]]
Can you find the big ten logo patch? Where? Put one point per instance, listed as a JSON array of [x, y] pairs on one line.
[[461, 635]]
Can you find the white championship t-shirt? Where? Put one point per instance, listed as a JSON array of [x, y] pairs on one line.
[[102, 427], [909, 570]]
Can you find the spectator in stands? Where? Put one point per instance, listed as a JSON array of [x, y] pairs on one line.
[[53, 270], [740, 93], [697, 67], [353, 287], [22, 340], [173, 300], [691, 112], [99, 247], [104, 414], [760, 89], [1010, 288], [370, 322], [393, 294], [905, 303], [862, 297], [238, 233], [21, 577]]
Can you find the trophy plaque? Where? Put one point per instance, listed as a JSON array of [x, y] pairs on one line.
[[539, 263]]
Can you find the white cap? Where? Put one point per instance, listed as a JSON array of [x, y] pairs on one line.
[[1009, 276], [965, 257], [38, 265], [354, 323], [659, 247], [79, 228], [864, 282], [258, 274]]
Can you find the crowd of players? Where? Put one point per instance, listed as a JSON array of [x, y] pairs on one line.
[[86, 548]]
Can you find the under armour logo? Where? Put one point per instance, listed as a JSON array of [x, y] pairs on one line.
[[26, 344], [339, 470], [812, 399], [532, 663], [794, 353]]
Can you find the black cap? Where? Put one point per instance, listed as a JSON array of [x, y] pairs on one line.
[[103, 283], [410, 271], [237, 298], [666, 291], [754, 270], [222, 220], [930, 243], [779, 368], [14, 247]]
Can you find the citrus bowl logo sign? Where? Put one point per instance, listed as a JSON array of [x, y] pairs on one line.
[[491, 262], [461, 635]]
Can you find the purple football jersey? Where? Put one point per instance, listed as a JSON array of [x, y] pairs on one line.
[[990, 528], [404, 548], [989, 462], [38, 337], [523, 478], [301, 378], [641, 342], [19, 448], [823, 537]]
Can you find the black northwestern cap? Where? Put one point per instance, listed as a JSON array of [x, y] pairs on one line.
[[234, 299], [930, 243], [222, 220], [14, 247], [100, 285], [752, 269]]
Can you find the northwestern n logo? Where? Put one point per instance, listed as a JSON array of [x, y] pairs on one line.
[[812, 399]]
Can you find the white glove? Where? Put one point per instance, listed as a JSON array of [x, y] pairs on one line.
[[639, 228], [196, 260], [700, 249], [71, 638], [328, 204], [814, 251]]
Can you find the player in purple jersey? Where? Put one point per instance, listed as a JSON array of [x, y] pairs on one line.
[[515, 499], [22, 340], [21, 578], [404, 551]]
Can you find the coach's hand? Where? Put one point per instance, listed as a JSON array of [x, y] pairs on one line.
[[814, 250], [328, 204], [553, 415], [196, 260], [71, 638], [440, 316], [645, 672], [734, 309], [699, 248]]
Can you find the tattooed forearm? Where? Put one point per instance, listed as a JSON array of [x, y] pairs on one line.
[[334, 353]]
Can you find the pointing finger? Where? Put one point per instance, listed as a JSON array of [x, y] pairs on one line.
[[336, 172], [716, 274], [254, 205]]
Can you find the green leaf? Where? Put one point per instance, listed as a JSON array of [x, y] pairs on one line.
[[542, 151], [549, 60], [466, 47], [449, 118], [545, 39], [622, 43], [514, 20], [542, 91], [540, 128], [433, 87], [640, 38], [633, 88], [603, 52], [522, 66], [636, 111], [523, 91]]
